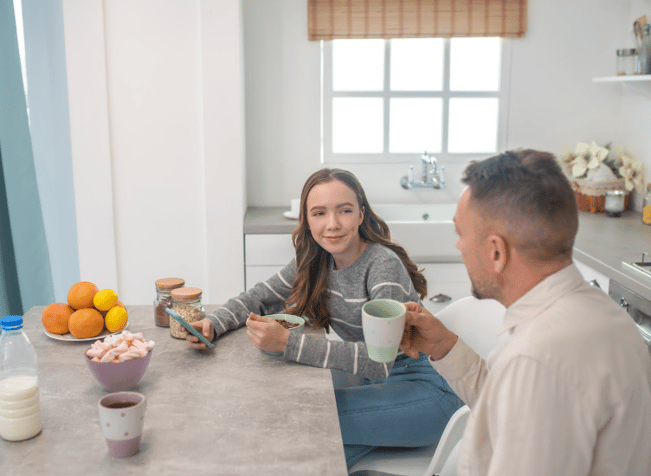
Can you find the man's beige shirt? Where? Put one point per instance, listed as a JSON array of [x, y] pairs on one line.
[[567, 393]]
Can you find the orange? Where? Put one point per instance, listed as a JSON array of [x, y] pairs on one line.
[[55, 317], [81, 295], [86, 323]]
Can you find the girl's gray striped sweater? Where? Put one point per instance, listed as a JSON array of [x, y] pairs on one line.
[[377, 274]]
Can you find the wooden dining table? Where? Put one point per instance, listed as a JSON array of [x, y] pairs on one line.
[[232, 410]]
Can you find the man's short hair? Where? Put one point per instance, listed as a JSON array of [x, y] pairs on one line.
[[528, 196]]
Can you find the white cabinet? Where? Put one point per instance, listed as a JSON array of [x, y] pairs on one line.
[[591, 275], [448, 279], [265, 255]]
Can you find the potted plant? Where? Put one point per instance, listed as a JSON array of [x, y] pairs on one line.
[[593, 170]]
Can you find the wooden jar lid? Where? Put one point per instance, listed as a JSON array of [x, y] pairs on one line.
[[186, 294], [169, 283]]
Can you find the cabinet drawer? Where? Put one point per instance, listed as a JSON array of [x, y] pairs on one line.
[[268, 250], [445, 272], [257, 274]]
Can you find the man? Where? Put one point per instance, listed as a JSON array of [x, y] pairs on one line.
[[569, 391]]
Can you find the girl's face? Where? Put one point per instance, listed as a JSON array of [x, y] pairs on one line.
[[334, 216]]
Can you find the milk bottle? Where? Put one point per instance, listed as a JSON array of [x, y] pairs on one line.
[[20, 408]]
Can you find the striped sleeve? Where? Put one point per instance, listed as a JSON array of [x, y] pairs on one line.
[[350, 357], [264, 298]]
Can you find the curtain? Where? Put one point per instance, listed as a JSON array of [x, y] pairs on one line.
[[334, 19], [9, 291], [23, 232]]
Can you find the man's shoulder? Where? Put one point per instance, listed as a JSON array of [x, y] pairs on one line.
[[583, 335], [575, 318]]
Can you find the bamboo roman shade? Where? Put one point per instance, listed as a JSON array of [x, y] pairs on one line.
[[334, 19]]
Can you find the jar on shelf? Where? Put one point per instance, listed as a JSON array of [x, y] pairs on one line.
[[646, 206], [644, 52], [186, 302], [626, 61], [164, 287]]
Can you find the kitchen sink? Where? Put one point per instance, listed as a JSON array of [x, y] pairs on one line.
[[426, 231]]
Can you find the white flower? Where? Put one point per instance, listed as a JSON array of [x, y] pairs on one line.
[[632, 172], [588, 156]]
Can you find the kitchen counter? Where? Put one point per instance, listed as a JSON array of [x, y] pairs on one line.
[[266, 220], [233, 410], [601, 243], [604, 242]]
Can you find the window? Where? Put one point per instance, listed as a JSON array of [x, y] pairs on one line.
[[385, 101]]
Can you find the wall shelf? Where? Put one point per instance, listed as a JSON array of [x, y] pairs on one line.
[[638, 82]]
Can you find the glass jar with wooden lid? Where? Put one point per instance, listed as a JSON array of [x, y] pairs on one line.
[[186, 302], [164, 287]]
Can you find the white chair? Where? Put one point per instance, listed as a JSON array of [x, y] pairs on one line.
[[478, 323]]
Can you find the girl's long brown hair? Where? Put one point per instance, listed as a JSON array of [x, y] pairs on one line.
[[309, 296]]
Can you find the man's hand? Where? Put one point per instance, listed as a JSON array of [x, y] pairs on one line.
[[425, 333]]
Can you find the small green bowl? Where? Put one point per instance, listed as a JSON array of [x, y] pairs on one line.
[[289, 318]]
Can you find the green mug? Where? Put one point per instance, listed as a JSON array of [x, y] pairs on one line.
[[383, 322]]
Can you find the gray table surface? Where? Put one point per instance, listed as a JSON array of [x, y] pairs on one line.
[[230, 411]]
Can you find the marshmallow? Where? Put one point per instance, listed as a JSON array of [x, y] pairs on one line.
[[120, 347], [139, 344], [94, 352]]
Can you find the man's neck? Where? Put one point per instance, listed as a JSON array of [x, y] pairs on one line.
[[521, 277]]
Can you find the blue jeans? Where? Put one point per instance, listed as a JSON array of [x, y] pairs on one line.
[[410, 408]]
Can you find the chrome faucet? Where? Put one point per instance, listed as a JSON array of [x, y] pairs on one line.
[[432, 177]]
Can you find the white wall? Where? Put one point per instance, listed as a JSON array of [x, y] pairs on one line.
[[553, 102], [156, 95], [157, 128]]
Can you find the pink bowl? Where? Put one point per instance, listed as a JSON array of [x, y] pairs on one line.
[[116, 377]]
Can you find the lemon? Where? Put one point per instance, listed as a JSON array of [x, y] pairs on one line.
[[105, 299], [116, 319]]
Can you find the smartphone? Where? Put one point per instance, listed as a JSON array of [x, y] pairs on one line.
[[190, 329]]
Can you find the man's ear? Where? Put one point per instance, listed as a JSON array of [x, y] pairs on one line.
[[498, 249]]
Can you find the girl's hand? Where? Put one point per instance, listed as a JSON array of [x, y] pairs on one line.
[[205, 328], [266, 334]]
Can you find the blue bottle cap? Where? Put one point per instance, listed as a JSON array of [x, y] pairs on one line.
[[11, 322]]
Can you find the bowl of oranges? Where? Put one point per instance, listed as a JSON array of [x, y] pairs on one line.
[[89, 313]]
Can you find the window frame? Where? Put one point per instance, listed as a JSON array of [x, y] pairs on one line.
[[327, 96]]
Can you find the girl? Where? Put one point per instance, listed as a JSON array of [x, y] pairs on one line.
[[344, 258]]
